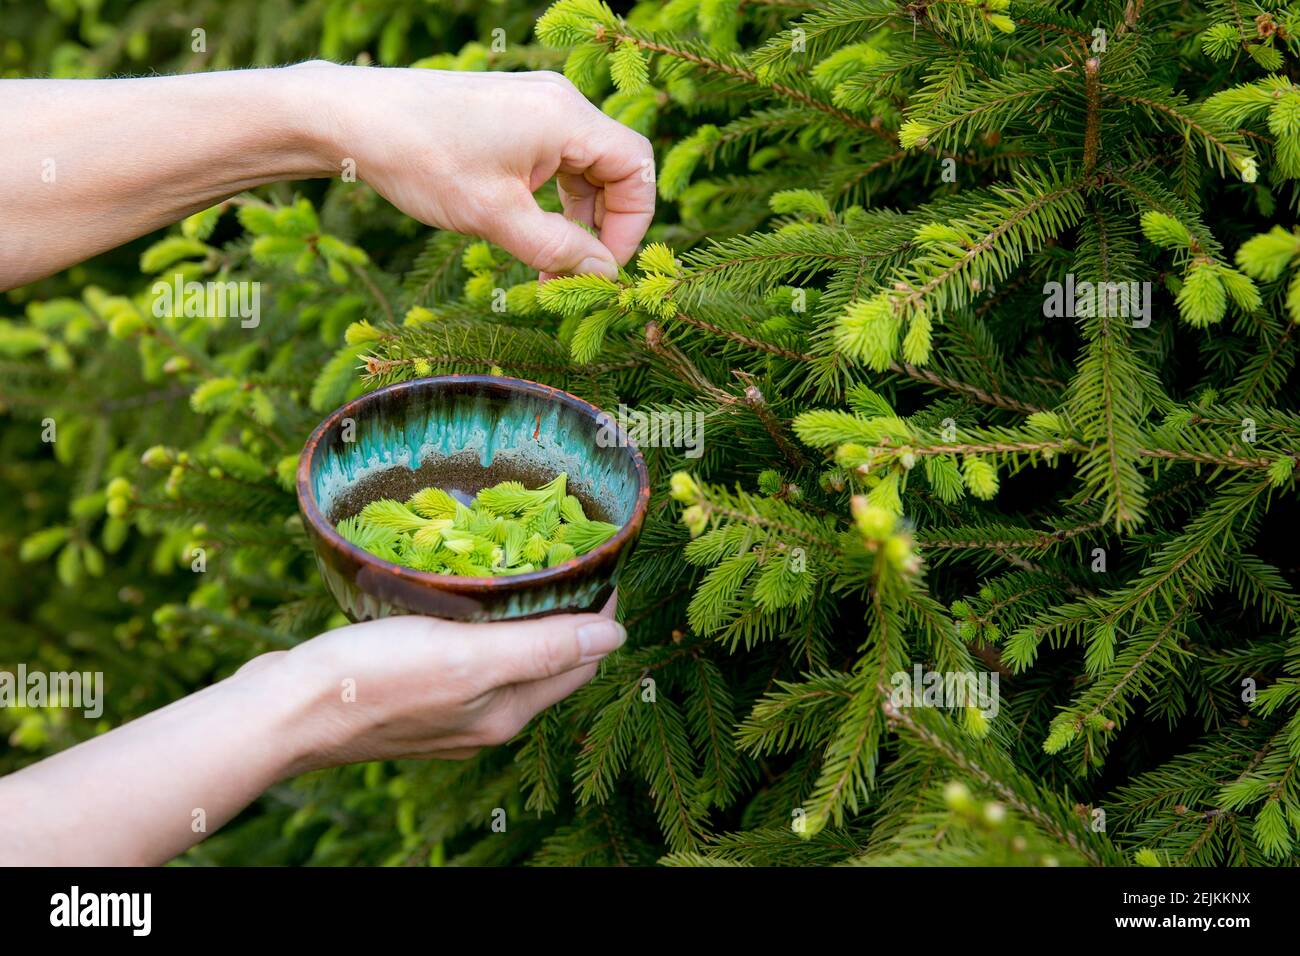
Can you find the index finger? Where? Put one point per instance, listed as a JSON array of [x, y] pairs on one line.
[[621, 162]]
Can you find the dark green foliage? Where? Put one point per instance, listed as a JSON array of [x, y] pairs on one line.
[[911, 454]]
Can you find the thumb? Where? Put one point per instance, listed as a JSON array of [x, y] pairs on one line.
[[517, 652], [548, 242]]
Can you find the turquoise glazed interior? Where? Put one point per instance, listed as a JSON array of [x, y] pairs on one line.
[[528, 430], [465, 432]]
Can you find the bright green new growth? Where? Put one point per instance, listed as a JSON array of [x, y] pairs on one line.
[[905, 457], [509, 529]]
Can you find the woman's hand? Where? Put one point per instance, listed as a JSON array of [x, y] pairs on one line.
[[423, 687], [466, 151], [400, 687]]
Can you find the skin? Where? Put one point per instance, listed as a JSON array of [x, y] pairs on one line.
[[403, 687], [459, 151]]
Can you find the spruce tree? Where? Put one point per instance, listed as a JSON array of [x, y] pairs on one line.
[[987, 310]]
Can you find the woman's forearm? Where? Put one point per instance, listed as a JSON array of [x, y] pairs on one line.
[[398, 687], [147, 791], [91, 164]]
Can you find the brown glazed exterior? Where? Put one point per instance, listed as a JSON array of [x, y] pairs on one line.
[[369, 587]]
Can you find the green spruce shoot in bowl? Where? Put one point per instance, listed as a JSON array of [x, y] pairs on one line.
[[506, 529]]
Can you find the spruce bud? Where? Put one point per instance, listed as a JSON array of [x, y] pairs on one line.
[[695, 520], [119, 488], [683, 487], [873, 522], [957, 795]]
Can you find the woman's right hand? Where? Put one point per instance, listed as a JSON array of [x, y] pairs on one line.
[[466, 151]]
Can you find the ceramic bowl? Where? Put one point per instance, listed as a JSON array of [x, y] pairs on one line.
[[464, 433]]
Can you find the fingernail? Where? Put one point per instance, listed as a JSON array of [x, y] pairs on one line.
[[604, 267], [600, 638]]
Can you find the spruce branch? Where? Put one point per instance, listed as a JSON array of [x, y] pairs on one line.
[[754, 399], [746, 75], [1223, 145], [992, 772], [1092, 94], [927, 376]]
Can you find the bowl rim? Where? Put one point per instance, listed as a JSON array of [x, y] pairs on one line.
[[310, 508]]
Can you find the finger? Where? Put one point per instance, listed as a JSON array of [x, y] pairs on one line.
[[547, 241], [536, 696], [531, 699], [517, 652], [578, 198], [622, 162], [610, 610]]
